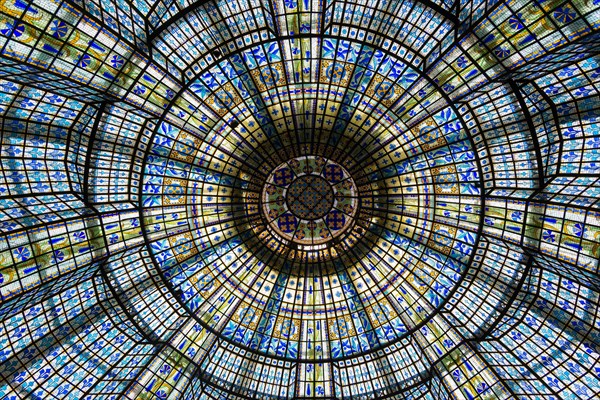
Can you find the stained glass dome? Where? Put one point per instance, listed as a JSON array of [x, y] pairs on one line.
[[299, 199]]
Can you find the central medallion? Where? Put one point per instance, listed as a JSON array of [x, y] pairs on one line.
[[309, 201], [310, 197]]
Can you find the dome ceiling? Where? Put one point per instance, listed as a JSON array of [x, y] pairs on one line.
[[299, 199]]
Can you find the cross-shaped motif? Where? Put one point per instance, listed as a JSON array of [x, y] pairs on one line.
[[333, 173], [335, 220], [283, 177], [287, 223]]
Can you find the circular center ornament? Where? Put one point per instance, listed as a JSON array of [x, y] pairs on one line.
[[309, 201], [310, 197]]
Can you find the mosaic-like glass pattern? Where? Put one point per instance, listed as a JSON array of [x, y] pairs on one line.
[[311, 201], [299, 199]]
